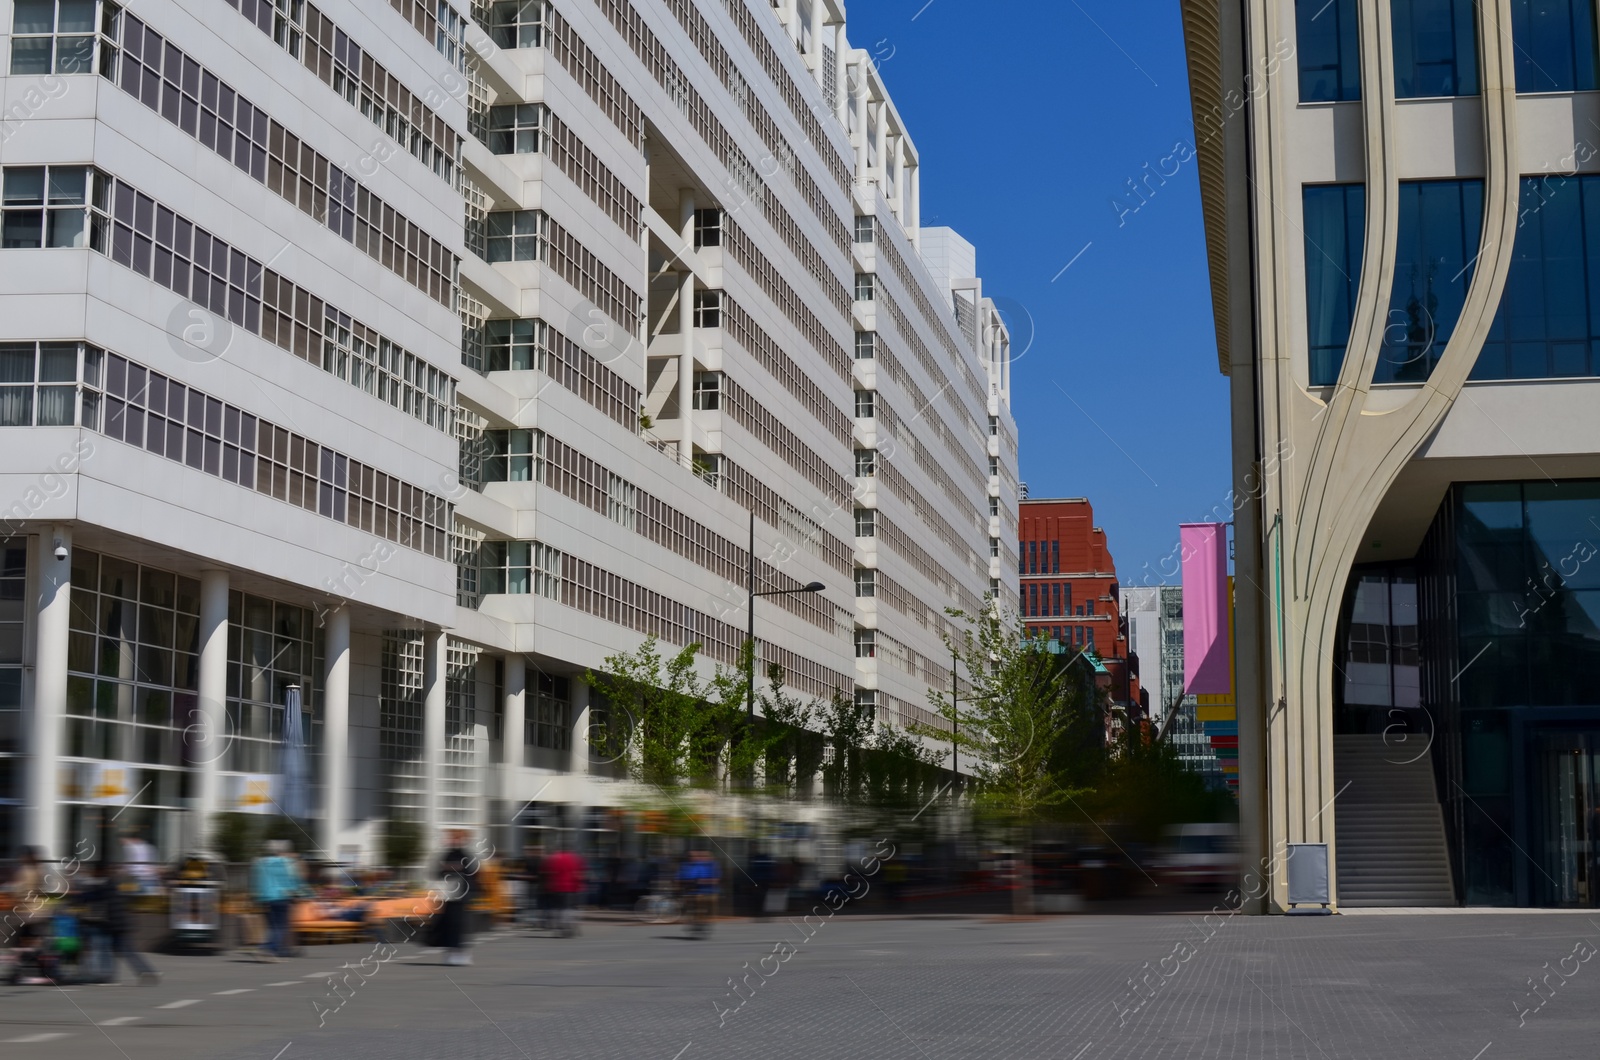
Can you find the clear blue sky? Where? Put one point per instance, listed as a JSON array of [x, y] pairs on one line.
[[1031, 116]]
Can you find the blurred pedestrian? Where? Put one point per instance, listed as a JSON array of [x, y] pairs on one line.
[[112, 927], [141, 863], [460, 873], [564, 878], [275, 882], [698, 879], [531, 874]]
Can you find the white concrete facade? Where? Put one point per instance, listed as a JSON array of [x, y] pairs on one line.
[[604, 279]]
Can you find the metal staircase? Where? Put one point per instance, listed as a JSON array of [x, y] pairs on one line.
[[1388, 826]]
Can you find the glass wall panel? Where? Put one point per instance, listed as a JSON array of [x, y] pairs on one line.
[[1548, 322], [1330, 50], [1555, 45], [1435, 48], [1440, 225], [1335, 216]]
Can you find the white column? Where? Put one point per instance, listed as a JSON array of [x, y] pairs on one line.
[[513, 743], [336, 731], [686, 333], [900, 181], [51, 623], [579, 762], [213, 694], [914, 209], [433, 700], [880, 122], [814, 53], [859, 101]]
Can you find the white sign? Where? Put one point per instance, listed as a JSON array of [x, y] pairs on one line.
[[251, 793], [98, 783]]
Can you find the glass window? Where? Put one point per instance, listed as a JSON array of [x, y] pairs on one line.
[[1548, 321], [708, 309], [1555, 45], [1330, 50], [516, 235], [866, 345], [56, 35], [517, 23], [866, 286], [1440, 224], [1435, 48], [517, 128], [866, 404], [865, 228], [866, 522], [707, 228], [866, 582], [708, 391], [1335, 219]]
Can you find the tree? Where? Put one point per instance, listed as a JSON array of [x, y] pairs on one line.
[[402, 843], [1025, 710]]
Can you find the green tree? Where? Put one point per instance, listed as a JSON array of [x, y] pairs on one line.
[[1024, 708], [402, 843]]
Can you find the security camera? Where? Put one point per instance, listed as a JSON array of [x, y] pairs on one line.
[[61, 549]]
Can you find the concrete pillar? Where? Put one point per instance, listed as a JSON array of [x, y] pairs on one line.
[[814, 53], [900, 182], [913, 222], [686, 333], [579, 764], [213, 695], [336, 731], [513, 741], [52, 620], [880, 123], [859, 101], [433, 701]]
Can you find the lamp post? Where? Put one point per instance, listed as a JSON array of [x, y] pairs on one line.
[[750, 615]]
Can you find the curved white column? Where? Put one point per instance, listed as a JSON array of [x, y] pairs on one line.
[[335, 731], [212, 722], [52, 620]]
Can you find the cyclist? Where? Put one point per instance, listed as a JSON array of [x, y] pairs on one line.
[[699, 879]]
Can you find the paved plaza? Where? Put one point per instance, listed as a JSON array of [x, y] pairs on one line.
[[1464, 986]]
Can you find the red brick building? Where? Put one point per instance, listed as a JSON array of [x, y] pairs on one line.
[[1069, 588]]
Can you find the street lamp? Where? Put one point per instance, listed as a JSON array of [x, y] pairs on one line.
[[750, 615]]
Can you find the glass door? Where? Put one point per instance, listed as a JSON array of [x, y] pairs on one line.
[[1567, 819]]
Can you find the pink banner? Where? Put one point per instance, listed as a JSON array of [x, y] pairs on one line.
[[1205, 608]]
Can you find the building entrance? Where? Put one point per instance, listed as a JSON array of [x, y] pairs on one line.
[[1566, 817]]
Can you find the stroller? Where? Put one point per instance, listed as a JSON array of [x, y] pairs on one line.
[[40, 945]]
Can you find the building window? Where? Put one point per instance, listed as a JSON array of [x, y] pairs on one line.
[[549, 719], [517, 23], [994, 507], [620, 505], [1435, 48], [707, 391], [866, 522], [866, 407], [866, 286], [515, 455], [504, 567], [1329, 46], [866, 229], [866, 582], [994, 467], [1033, 600], [516, 235], [707, 228], [54, 36], [866, 463], [1335, 220], [45, 207], [866, 643], [517, 128], [1055, 594], [1555, 45], [1033, 557], [39, 384], [1548, 322], [1055, 557], [994, 548], [866, 345], [514, 345], [1440, 223], [708, 466], [994, 426], [708, 309]]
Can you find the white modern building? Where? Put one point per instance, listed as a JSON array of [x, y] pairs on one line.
[[420, 357], [1406, 284]]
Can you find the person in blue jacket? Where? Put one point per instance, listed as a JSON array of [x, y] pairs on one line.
[[275, 882]]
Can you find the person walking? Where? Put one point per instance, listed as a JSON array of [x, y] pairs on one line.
[[531, 874], [274, 883], [563, 877], [108, 899], [460, 884], [699, 878]]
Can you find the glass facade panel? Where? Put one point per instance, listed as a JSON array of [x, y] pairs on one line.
[[1440, 225], [1330, 50], [1555, 45], [1435, 48], [1548, 322], [1335, 216]]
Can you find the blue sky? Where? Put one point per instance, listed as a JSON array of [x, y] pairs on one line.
[[1031, 117]]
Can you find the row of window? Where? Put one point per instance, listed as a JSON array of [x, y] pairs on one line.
[[770, 430], [905, 441], [615, 599], [795, 527], [866, 231], [961, 452], [568, 49], [439, 25], [1053, 598], [872, 583], [145, 408], [1436, 47], [877, 524], [344, 66], [754, 34], [531, 128], [533, 235], [169, 82], [39, 384], [523, 345], [650, 51], [876, 644], [920, 349], [742, 249], [743, 329], [1547, 324], [869, 465], [67, 206], [1041, 557], [1073, 636]]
